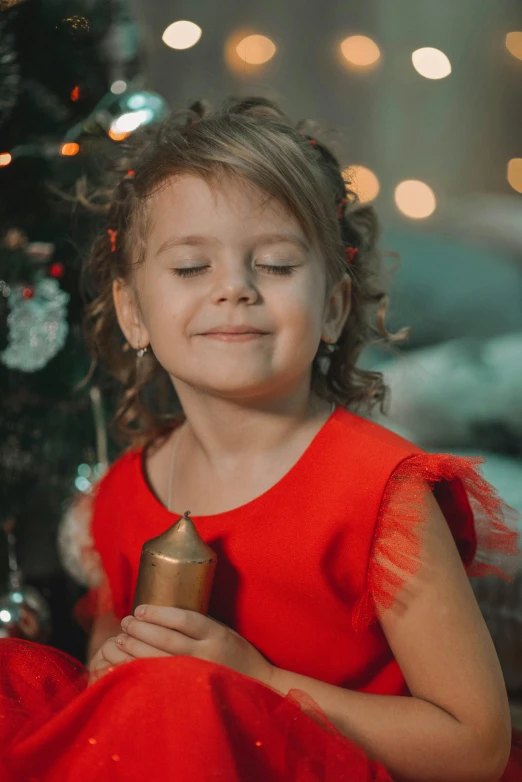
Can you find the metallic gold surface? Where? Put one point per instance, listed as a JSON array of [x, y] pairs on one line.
[[176, 569]]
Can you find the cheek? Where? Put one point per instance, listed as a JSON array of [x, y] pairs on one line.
[[300, 316], [160, 306]]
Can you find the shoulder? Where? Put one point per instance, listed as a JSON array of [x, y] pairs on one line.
[[86, 518], [367, 449], [373, 434], [120, 470]]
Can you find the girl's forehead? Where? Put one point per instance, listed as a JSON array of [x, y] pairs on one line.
[[191, 197]]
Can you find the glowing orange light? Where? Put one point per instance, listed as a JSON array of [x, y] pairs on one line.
[[514, 174], [117, 136], [363, 182], [246, 52], [75, 94], [415, 199], [359, 51], [5, 158], [256, 49], [514, 44], [70, 149]]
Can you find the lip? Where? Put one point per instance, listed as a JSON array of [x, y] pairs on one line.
[[234, 337], [235, 330]]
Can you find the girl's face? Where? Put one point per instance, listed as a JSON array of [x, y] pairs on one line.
[[222, 259]]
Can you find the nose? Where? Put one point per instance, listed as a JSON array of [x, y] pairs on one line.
[[234, 285]]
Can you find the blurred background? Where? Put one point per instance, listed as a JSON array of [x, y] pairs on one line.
[[425, 97]]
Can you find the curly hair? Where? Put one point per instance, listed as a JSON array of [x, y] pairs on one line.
[[253, 139]]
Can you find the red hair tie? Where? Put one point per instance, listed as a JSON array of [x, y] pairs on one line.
[[351, 252], [340, 207], [112, 236]]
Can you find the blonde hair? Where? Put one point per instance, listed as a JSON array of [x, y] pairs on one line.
[[254, 140]]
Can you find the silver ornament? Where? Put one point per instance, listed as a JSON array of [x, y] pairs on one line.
[[24, 613], [37, 326]]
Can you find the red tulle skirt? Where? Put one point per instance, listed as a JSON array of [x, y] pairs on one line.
[[173, 719]]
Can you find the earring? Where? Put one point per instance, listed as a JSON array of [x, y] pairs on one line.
[[141, 351], [331, 347]]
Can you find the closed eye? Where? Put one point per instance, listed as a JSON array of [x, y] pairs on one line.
[[193, 271]]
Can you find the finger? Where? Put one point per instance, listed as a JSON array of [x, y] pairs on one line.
[[190, 623], [113, 653], [139, 649], [169, 641]]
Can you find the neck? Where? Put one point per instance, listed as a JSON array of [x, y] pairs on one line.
[[225, 438]]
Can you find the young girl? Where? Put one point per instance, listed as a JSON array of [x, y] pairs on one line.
[[343, 640]]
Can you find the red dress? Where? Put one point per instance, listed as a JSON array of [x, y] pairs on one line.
[[302, 574]]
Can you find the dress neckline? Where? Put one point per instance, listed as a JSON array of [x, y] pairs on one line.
[[265, 497]]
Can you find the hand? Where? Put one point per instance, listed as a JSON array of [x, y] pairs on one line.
[[108, 656], [162, 632]]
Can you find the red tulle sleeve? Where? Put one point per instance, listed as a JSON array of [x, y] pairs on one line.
[[484, 527]]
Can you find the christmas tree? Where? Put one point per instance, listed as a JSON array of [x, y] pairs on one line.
[[70, 90]]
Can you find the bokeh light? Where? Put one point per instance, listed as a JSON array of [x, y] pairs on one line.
[[246, 51], [256, 49], [514, 173], [5, 158], [69, 149], [360, 52], [431, 63], [363, 182], [118, 86], [115, 136], [415, 199], [514, 44], [181, 35], [131, 120]]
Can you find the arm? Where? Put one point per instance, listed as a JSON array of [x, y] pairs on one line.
[[456, 727]]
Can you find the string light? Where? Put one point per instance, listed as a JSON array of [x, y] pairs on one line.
[[256, 49], [431, 63], [181, 35], [415, 199], [360, 52], [514, 44], [69, 149], [514, 173], [363, 182], [118, 86], [117, 136]]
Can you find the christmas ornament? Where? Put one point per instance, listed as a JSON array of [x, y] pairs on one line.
[[176, 569], [56, 270], [75, 544], [37, 324], [24, 613]]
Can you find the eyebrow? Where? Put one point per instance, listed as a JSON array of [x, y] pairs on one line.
[[195, 240]]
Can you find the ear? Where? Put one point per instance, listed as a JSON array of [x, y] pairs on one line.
[[128, 314], [337, 309]]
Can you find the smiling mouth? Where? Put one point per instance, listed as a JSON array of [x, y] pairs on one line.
[[228, 337]]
